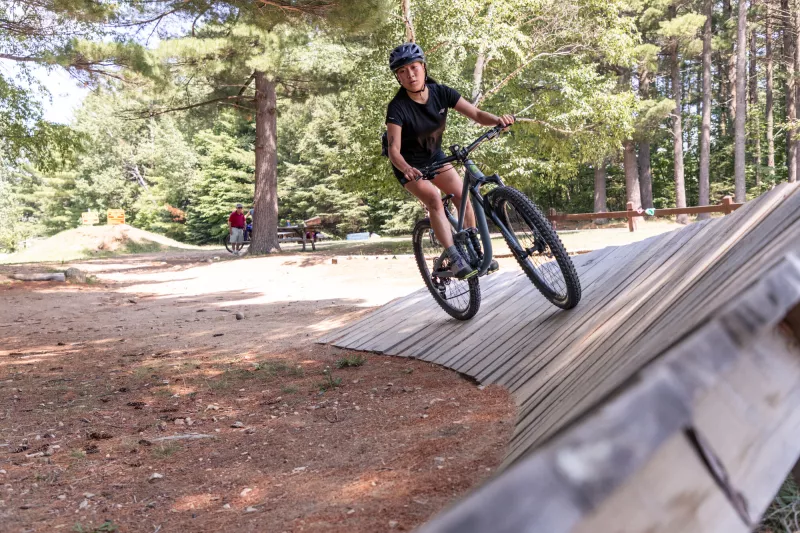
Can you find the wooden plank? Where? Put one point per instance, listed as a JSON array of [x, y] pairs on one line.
[[503, 286], [401, 319], [682, 313], [360, 325], [544, 422], [525, 308], [751, 422], [541, 321], [531, 498], [545, 402], [619, 280], [672, 493], [434, 326]]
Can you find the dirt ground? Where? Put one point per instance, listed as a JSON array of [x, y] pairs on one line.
[[140, 402]]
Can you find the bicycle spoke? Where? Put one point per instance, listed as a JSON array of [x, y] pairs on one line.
[[456, 292], [536, 249]]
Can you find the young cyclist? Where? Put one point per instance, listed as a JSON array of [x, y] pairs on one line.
[[415, 121]]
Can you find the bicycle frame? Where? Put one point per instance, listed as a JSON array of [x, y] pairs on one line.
[[473, 180]]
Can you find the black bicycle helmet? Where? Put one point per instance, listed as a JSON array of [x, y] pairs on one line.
[[405, 54]]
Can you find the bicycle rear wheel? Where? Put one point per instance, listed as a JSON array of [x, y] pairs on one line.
[[460, 299], [229, 246], [537, 247]]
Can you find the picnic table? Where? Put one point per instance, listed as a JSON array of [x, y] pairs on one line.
[[303, 233]]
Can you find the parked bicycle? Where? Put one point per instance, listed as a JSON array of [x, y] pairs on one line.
[[529, 235], [248, 236]]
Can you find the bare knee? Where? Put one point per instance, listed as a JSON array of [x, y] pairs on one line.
[[434, 206]]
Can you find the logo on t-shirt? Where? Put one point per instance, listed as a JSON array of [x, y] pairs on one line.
[[441, 111]]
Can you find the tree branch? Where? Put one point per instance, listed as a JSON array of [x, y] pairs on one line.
[[410, 34], [551, 127], [436, 48], [247, 83], [148, 21], [26, 59], [562, 52], [310, 10], [150, 113]]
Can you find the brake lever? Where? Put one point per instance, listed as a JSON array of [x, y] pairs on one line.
[[426, 175]]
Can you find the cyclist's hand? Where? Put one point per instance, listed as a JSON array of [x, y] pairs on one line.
[[412, 174], [506, 121]]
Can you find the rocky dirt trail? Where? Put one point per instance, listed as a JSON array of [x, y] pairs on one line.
[[174, 394]]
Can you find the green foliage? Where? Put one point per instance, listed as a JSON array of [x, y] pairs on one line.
[[782, 513], [26, 136], [106, 527], [181, 173], [351, 361], [227, 165], [311, 175], [330, 381]]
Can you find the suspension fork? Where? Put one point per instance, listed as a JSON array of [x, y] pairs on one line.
[[508, 235]]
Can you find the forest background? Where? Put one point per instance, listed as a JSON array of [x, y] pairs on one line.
[[197, 105]]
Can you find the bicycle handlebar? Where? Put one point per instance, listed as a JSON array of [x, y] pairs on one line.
[[429, 172]]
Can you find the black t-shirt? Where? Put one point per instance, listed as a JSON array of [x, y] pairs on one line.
[[422, 124]]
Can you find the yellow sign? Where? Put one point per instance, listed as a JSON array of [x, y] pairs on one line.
[[90, 218], [116, 216]]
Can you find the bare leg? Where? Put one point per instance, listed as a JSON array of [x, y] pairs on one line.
[[449, 182], [430, 196]]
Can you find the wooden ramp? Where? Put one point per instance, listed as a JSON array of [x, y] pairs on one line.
[[663, 402]]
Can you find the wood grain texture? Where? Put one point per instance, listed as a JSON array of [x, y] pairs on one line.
[[663, 342]]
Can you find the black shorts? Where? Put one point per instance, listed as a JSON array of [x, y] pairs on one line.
[[403, 180]]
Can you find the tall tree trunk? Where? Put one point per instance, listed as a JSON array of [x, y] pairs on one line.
[[741, 103], [796, 135], [723, 97], [645, 175], [632, 191], [753, 103], [769, 94], [629, 163], [480, 64], [677, 132], [477, 75], [600, 177], [265, 205], [410, 35], [731, 66], [645, 168], [791, 112], [705, 122]]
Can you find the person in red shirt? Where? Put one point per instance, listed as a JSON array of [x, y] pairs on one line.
[[236, 224]]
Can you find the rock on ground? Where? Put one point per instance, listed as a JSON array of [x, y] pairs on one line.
[[75, 275]]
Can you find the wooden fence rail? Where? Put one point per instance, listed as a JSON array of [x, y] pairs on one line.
[[727, 206]]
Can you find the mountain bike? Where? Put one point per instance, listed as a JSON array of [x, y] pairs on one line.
[[529, 235]]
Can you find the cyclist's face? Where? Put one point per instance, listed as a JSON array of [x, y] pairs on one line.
[[412, 76]]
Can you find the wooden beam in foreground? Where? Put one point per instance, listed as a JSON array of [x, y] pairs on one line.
[[698, 441]]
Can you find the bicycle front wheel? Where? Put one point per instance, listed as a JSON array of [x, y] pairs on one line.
[[460, 299], [537, 247]]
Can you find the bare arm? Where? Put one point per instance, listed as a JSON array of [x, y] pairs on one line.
[[393, 132], [482, 117]]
